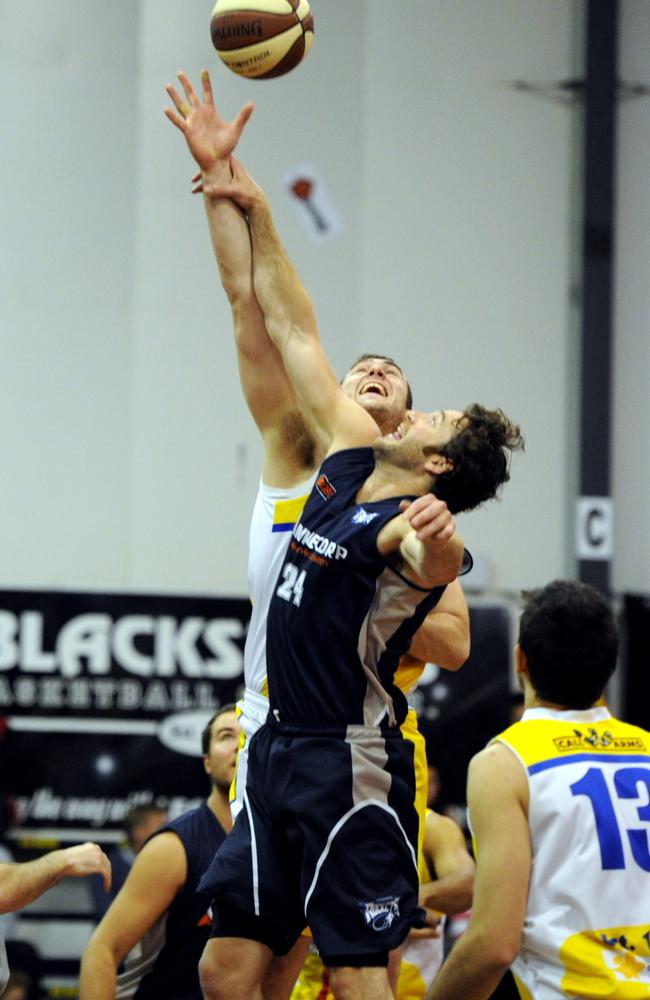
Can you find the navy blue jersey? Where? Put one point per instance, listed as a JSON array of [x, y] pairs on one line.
[[341, 616], [164, 963]]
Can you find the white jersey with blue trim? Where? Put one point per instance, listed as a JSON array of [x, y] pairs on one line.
[[274, 515], [587, 927]]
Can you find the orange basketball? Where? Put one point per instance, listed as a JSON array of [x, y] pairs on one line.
[[262, 38]]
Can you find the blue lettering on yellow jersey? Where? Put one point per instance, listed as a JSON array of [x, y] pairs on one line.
[[587, 928]]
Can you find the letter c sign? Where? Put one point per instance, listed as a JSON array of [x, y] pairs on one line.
[[594, 528]]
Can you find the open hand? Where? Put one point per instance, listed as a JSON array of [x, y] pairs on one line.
[[209, 136]]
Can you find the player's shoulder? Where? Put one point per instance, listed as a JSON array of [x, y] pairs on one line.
[[162, 861], [495, 764], [442, 830]]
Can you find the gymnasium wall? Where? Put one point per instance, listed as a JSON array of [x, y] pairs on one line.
[[129, 460]]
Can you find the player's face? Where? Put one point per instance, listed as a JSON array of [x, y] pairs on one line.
[[428, 430], [380, 387], [222, 753]]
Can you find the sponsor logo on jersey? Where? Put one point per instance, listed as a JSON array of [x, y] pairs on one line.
[[324, 487], [580, 739], [382, 913], [362, 516], [319, 544]]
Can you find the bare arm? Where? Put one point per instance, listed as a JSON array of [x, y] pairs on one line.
[[497, 796], [158, 872], [443, 638], [267, 390], [21, 884], [291, 322], [444, 847]]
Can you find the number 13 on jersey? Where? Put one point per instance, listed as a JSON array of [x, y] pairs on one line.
[[630, 783]]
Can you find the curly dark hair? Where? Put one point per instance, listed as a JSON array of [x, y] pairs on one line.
[[569, 635], [479, 452]]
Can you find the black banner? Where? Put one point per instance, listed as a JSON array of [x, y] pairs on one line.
[[103, 698]]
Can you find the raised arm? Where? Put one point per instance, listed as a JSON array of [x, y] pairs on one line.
[[291, 322], [21, 884], [288, 444]]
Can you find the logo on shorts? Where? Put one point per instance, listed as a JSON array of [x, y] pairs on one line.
[[362, 516], [381, 914], [324, 487]]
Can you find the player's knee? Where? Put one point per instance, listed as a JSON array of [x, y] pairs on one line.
[[359, 984], [218, 980]]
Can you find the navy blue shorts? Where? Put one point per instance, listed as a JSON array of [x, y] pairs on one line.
[[328, 838]]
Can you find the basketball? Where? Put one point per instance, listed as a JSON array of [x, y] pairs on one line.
[[262, 38]]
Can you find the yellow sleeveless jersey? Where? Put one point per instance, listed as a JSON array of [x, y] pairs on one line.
[[587, 927]]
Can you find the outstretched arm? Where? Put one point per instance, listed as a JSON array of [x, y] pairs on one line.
[[291, 322], [21, 884], [267, 390]]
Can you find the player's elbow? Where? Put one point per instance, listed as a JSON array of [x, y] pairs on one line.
[[456, 653], [449, 573], [504, 955], [465, 891], [500, 949], [99, 963]]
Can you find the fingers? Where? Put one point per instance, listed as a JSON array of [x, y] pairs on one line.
[[176, 98], [87, 859], [183, 107], [429, 518], [418, 933], [187, 87], [243, 117], [106, 872], [175, 119], [217, 190], [206, 87]]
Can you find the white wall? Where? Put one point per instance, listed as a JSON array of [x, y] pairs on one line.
[[631, 441], [129, 459], [466, 243], [66, 263]]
